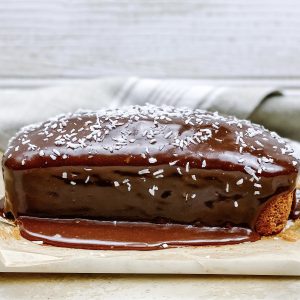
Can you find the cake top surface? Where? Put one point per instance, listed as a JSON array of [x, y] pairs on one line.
[[151, 135]]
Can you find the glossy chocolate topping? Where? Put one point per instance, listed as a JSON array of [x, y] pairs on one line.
[[147, 164], [108, 235]]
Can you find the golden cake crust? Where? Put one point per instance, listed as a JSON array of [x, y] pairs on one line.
[[274, 215]]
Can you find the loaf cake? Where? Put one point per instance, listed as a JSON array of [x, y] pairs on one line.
[[149, 164]]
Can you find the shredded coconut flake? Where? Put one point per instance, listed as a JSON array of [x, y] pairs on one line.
[[153, 189], [227, 187], [158, 172], [144, 171], [172, 163], [152, 160], [187, 167], [239, 182], [56, 152]]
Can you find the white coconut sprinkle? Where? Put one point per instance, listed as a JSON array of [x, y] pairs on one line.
[[152, 160], [144, 171], [158, 172], [259, 143], [64, 175], [153, 189], [53, 157], [204, 163], [249, 170], [239, 182], [187, 167], [116, 183], [73, 182], [172, 163], [194, 177], [227, 187], [168, 134], [56, 152], [25, 142], [87, 179], [235, 203]]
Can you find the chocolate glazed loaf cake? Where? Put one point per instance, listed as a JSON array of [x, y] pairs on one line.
[[151, 165]]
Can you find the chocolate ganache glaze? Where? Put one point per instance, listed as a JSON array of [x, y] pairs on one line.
[[161, 166]]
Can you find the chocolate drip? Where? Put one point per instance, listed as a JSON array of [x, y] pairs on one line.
[[87, 234]]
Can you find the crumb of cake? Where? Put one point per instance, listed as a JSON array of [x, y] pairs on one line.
[[292, 233], [9, 232]]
